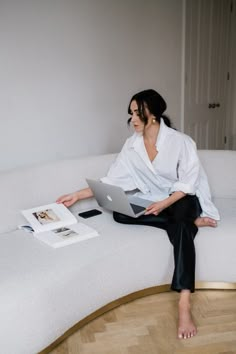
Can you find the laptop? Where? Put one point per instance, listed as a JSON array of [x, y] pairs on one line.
[[114, 198]]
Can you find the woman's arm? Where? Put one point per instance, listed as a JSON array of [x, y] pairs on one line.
[[157, 207], [72, 198]]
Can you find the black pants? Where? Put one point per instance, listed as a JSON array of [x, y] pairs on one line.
[[178, 221]]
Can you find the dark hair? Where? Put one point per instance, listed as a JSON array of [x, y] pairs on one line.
[[155, 104]]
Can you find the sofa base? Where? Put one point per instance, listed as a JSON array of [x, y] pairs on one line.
[[201, 285]]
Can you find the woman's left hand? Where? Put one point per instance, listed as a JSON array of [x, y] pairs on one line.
[[155, 208]]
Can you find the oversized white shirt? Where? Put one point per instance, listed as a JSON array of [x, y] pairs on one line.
[[176, 167]]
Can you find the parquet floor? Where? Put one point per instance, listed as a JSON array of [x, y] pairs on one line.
[[148, 326]]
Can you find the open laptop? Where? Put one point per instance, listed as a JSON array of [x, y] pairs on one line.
[[114, 198]]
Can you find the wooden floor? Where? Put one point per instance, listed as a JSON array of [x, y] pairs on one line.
[[148, 326]]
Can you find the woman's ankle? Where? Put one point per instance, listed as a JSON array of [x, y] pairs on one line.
[[184, 299], [205, 221]]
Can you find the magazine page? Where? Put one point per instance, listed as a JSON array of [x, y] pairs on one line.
[[49, 217], [67, 235]]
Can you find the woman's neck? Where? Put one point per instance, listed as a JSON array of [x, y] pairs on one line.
[[151, 132]]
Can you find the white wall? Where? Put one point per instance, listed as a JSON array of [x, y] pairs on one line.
[[69, 67]]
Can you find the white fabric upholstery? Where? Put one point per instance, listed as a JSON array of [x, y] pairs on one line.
[[23, 188], [220, 166], [45, 291]]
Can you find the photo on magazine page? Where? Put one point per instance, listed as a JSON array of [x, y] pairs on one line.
[[46, 216], [65, 232], [49, 217]]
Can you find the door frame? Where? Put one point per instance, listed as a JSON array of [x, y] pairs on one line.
[[231, 87]]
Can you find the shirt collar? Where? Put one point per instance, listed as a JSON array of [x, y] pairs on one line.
[[163, 132], [138, 143]]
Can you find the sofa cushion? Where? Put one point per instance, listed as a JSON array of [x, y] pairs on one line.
[[220, 167], [45, 291], [25, 188], [216, 247]]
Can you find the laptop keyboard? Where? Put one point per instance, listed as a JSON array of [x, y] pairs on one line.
[[137, 208]]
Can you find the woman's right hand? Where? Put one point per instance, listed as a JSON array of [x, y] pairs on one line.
[[72, 198], [68, 199]]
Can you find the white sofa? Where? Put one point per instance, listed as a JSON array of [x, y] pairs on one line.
[[44, 291]]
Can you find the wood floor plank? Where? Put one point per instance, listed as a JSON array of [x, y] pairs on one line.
[[149, 325]]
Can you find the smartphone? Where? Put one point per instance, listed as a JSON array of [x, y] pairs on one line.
[[89, 213]]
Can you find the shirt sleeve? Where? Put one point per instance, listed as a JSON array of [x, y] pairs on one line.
[[188, 168], [204, 195], [119, 173]]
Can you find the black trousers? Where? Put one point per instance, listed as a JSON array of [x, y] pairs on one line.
[[178, 221]]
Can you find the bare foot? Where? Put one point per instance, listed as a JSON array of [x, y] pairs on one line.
[[205, 221], [187, 328]]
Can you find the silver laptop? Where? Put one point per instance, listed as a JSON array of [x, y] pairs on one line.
[[114, 198]]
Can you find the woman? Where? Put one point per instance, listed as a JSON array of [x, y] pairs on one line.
[[163, 165]]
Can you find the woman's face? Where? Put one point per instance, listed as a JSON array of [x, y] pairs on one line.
[[137, 123]]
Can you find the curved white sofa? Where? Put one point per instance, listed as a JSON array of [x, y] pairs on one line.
[[45, 291]]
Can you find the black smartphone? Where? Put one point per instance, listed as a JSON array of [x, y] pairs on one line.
[[89, 213]]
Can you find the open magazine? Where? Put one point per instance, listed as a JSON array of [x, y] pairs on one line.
[[55, 225]]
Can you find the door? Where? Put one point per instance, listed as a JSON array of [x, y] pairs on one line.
[[206, 71]]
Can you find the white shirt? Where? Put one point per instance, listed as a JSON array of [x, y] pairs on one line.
[[176, 167]]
